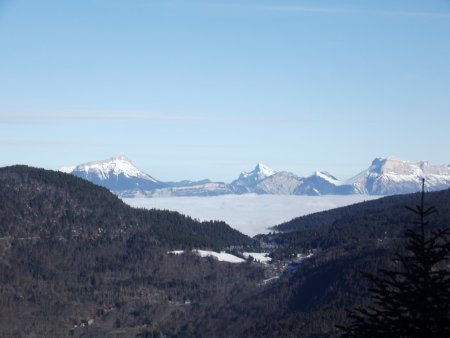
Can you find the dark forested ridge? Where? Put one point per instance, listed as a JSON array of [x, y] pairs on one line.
[[72, 253], [76, 261], [347, 241], [384, 218], [37, 202]]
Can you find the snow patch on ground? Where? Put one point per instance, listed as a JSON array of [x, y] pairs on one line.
[[220, 256], [176, 252], [249, 213], [262, 257]]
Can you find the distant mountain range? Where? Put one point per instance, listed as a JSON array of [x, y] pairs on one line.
[[385, 176]]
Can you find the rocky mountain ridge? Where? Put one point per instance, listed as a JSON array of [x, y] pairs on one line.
[[385, 176]]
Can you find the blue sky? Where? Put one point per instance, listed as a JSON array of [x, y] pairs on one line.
[[196, 89]]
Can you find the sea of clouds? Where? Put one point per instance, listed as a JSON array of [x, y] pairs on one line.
[[250, 213]]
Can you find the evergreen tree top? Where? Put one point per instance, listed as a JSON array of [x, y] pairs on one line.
[[414, 299]]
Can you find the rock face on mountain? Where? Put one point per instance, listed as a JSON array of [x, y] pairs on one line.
[[281, 183], [386, 176], [248, 181], [117, 174], [264, 180], [393, 176], [323, 183], [202, 189]]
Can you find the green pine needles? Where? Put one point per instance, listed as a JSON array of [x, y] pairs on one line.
[[413, 300]]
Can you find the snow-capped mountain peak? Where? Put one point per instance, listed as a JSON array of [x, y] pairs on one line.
[[327, 177], [260, 172], [117, 165], [393, 165], [321, 183], [263, 171], [117, 173], [387, 176], [247, 180]]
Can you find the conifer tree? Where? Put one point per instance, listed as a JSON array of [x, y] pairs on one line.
[[413, 300]]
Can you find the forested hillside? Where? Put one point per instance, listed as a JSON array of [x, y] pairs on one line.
[[385, 218], [36, 202], [346, 242], [76, 261], [72, 253]]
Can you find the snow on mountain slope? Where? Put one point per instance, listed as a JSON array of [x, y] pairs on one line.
[[322, 183], [117, 174], [325, 175], [388, 176], [247, 181], [114, 166], [68, 169]]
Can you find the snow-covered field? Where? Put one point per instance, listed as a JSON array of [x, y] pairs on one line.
[[221, 256], [261, 257], [250, 213]]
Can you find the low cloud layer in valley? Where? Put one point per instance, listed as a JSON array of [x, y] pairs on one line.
[[250, 213]]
